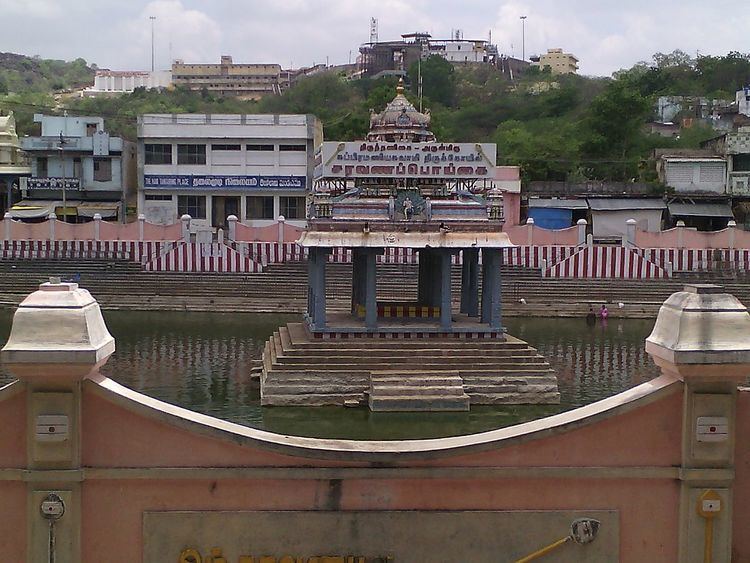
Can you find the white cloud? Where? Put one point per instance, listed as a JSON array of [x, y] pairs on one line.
[[186, 33]]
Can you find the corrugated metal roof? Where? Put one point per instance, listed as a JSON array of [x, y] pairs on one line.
[[700, 210], [333, 239], [535, 203], [621, 204]]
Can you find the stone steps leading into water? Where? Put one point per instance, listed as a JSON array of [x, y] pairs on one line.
[[416, 390], [331, 371]]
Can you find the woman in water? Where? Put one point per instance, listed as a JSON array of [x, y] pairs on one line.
[[604, 313]]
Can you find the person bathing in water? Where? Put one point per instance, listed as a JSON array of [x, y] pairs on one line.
[[604, 313], [591, 317]]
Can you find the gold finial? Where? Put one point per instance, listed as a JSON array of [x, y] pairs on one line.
[[400, 86]]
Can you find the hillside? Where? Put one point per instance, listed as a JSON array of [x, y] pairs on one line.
[[20, 74], [556, 128]]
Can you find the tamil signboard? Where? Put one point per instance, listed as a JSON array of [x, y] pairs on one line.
[[373, 536], [406, 160], [195, 181], [52, 183]]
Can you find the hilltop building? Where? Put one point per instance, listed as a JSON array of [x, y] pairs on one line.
[[255, 167], [112, 82], [557, 61], [395, 57], [75, 160], [227, 78], [401, 192]]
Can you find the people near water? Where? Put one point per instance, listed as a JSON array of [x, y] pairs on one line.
[[603, 312], [591, 316]]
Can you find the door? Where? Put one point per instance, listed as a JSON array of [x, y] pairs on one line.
[[221, 208]]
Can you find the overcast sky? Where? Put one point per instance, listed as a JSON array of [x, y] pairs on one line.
[[605, 35]]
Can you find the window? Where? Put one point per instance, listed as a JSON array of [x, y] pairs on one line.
[[158, 153], [225, 147], [193, 205], [260, 147], [260, 207], [191, 154], [158, 197], [41, 167], [292, 207], [90, 129], [290, 148], [102, 169]]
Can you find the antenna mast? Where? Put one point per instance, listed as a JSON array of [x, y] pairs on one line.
[[373, 30]]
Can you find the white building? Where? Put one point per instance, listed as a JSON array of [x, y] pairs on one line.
[[693, 174], [125, 81], [256, 167], [743, 101]]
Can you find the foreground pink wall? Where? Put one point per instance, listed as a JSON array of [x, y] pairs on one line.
[[648, 436]]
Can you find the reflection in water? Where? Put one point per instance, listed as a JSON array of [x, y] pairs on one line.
[[202, 361]]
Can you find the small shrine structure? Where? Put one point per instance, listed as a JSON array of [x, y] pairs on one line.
[[402, 194]]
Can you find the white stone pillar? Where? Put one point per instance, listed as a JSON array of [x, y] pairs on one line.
[[220, 236], [680, 233], [51, 219], [582, 224], [732, 226], [530, 231], [58, 339], [702, 338], [97, 226], [282, 220], [630, 232], [7, 224], [232, 221], [141, 226], [185, 227]]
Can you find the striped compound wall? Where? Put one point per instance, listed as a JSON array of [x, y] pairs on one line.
[[247, 257]]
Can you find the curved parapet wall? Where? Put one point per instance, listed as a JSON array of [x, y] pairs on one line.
[[89, 454]]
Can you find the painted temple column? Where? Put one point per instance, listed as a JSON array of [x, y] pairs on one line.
[[370, 288], [423, 280], [491, 289], [358, 275], [57, 340], [316, 301], [443, 264], [470, 282], [702, 337]]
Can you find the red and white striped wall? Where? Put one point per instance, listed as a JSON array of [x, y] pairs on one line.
[[692, 260], [116, 250], [202, 257], [606, 262]]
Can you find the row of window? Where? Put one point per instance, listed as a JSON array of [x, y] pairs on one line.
[[102, 168], [161, 153], [258, 207]]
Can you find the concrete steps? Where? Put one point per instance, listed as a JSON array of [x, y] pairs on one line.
[[402, 374], [405, 390]]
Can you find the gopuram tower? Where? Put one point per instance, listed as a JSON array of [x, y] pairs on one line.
[[401, 197]]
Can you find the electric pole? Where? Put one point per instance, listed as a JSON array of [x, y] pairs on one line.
[[152, 18], [523, 37]]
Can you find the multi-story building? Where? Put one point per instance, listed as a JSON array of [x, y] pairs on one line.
[[557, 61], [256, 167], [251, 81], [395, 57], [743, 101], [76, 161], [125, 81]]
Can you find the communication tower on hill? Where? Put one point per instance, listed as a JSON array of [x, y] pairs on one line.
[[373, 30]]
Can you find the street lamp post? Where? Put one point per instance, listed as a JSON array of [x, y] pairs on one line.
[[62, 166], [523, 37], [152, 18]]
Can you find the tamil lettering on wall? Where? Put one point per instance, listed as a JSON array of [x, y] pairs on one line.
[[162, 181], [413, 160]]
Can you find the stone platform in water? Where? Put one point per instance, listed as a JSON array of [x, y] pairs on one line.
[[442, 373]]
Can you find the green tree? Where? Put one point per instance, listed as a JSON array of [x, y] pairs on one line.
[[438, 80]]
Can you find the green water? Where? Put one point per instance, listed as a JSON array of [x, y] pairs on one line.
[[202, 361]]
